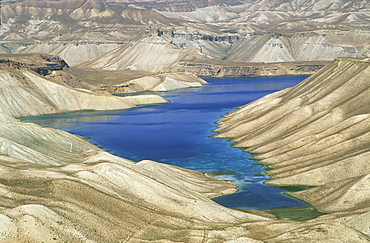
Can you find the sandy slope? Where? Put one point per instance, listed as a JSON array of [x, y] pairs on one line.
[[57, 187], [315, 134]]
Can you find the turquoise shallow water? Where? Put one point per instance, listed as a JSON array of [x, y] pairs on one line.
[[178, 133]]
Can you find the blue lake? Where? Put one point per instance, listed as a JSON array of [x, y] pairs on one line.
[[179, 133]]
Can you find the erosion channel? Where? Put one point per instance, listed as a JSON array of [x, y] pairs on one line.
[[180, 133]]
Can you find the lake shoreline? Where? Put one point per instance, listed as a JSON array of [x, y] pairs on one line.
[[219, 92]]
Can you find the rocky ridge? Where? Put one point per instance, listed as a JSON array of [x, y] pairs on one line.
[[273, 15], [238, 69], [123, 36], [314, 134], [56, 186], [55, 69], [231, 56], [42, 64]]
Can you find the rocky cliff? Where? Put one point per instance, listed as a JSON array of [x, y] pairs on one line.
[[304, 46], [227, 69], [42, 64], [123, 36], [231, 56]]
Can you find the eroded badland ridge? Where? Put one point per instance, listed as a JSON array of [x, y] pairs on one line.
[[57, 187], [314, 134], [124, 35]]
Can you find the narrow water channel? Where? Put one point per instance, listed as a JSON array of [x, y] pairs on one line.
[[179, 133]]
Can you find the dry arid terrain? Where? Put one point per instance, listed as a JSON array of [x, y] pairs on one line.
[[143, 36], [71, 55]]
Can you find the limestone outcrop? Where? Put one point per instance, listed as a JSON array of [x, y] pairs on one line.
[[151, 53], [219, 56], [123, 36], [239, 69], [314, 134], [42, 64]]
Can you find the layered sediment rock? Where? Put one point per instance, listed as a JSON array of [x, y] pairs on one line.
[[24, 93], [296, 47], [314, 134], [227, 69], [55, 186], [73, 52], [151, 53], [158, 82], [40, 63]]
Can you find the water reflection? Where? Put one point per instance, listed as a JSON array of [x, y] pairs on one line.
[[73, 119]]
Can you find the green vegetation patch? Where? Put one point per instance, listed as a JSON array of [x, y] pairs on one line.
[[296, 213]]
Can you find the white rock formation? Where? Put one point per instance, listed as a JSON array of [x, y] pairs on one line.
[[159, 82], [24, 93]]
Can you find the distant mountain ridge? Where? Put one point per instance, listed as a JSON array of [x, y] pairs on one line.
[[285, 15], [120, 35]]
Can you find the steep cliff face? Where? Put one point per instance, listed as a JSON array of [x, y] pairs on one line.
[[124, 36], [311, 46], [314, 134], [231, 55], [42, 64], [159, 50], [151, 53], [74, 53], [227, 69]]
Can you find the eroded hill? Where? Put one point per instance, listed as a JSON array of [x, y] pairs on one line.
[[314, 134], [56, 186], [127, 36]]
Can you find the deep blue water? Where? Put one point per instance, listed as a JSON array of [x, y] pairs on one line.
[[178, 133]]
